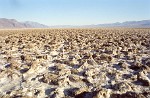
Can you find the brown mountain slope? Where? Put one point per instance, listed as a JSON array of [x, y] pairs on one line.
[[12, 23]]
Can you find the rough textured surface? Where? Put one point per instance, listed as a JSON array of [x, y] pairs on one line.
[[75, 63]]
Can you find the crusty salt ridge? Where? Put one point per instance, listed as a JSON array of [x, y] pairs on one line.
[[80, 63]]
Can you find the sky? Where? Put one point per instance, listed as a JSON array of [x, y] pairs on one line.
[[75, 12]]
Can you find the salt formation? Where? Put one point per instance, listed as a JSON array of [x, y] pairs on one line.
[[75, 63]]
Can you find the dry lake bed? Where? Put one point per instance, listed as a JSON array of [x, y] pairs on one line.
[[75, 63]]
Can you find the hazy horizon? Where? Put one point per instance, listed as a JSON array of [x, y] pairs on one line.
[[75, 12]]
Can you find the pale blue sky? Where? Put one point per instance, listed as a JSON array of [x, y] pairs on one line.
[[75, 12]]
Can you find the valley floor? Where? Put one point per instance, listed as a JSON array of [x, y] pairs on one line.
[[75, 63]]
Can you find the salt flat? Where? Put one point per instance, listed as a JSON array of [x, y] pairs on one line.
[[75, 63]]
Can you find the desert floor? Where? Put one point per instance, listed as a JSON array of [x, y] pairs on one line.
[[75, 63]]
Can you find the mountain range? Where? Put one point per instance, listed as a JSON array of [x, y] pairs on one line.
[[130, 24], [12, 24]]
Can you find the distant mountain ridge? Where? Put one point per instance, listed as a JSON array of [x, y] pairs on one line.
[[131, 24], [12, 23], [34, 24], [128, 24]]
